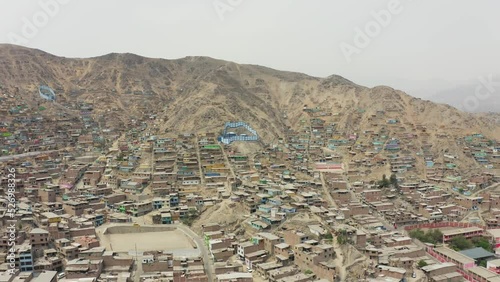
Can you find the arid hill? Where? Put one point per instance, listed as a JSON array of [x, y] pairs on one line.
[[201, 93]]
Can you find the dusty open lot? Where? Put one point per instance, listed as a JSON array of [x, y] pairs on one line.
[[125, 239]]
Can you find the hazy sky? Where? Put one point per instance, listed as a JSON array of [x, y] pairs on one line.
[[410, 45]]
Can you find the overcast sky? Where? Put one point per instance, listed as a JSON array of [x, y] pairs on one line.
[[410, 45]]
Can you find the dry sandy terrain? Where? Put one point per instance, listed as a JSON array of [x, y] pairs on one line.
[[147, 241]]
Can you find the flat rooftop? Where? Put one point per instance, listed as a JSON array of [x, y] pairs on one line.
[[477, 253], [437, 266], [268, 236], [456, 256], [447, 277], [458, 231], [483, 272], [45, 276], [234, 275], [494, 232]]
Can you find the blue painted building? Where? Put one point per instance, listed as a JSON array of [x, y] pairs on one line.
[[25, 258]]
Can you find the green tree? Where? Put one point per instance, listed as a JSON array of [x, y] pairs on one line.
[[329, 236], [435, 236], [384, 182], [188, 221], [393, 180], [432, 236], [341, 240], [417, 234], [421, 263], [460, 243], [342, 237], [191, 217], [482, 243], [120, 158]]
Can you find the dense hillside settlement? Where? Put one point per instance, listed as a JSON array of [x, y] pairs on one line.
[[123, 168]]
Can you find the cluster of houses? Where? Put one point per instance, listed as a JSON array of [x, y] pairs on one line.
[[292, 256], [178, 164], [323, 168], [165, 266], [57, 237], [56, 227], [484, 151], [26, 128]]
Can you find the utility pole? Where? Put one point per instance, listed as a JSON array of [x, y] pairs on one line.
[[136, 259]]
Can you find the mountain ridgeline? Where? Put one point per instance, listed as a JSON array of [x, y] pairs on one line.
[[200, 94]]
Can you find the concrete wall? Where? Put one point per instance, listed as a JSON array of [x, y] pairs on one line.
[[138, 229], [156, 266], [110, 261], [78, 232]]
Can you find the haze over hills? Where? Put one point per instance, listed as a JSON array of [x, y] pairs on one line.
[[201, 93], [459, 94], [464, 96]]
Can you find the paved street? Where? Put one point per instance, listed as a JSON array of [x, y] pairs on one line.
[[29, 154], [200, 243]]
